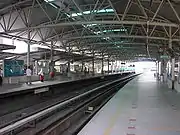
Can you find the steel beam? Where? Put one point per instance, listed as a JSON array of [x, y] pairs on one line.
[[117, 36], [95, 22], [13, 5], [159, 7], [108, 43]]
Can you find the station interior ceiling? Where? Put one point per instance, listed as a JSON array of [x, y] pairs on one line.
[[83, 29]]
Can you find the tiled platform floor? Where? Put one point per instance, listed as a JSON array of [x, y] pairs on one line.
[[142, 107]]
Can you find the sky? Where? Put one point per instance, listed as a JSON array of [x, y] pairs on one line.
[[144, 66]]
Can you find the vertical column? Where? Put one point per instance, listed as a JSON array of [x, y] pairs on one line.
[[51, 58], [93, 63], [112, 67], [82, 62], [51, 51], [28, 49], [102, 66], [116, 66], [69, 66], [108, 64], [162, 70], [172, 58], [173, 73], [69, 59], [179, 70], [157, 69]]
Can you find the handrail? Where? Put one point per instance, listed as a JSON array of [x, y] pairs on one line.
[[33, 117]]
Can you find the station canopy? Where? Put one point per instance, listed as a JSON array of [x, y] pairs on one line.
[[114, 29]]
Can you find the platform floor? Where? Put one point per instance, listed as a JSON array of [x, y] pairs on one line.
[[9, 88], [142, 107]]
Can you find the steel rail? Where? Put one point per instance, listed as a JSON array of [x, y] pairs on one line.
[[33, 117]]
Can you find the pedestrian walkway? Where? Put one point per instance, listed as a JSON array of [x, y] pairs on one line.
[[143, 107]]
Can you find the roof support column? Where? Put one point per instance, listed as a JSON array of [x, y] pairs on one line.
[[102, 67], [82, 66], [51, 59], [172, 59], [69, 49], [28, 48], [157, 70], [93, 64], [112, 67], [51, 51], [172, 72], [108, 64], [179, 70], [116, 66], [162, 70]]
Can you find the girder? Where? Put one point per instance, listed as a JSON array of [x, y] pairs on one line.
[[96, 22], [59, 24]]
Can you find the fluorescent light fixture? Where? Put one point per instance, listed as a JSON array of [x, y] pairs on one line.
[[90, 25], [94, 11], [112, 30], [50, 3], [67, 15]]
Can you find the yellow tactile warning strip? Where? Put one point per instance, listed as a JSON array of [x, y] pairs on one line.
[[140, 108], [132, 121], [112, 122]]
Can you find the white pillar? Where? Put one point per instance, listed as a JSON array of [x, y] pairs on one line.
[[112, 67], [51, 58], [102, 66], [93, 63], [157, 69], [51, 50], [172, 72], [116, 66], [69, 59], [108, 65], [172, 59], [82, 62], [28, 50], [179, 70]]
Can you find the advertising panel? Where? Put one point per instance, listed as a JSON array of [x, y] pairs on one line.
[[13, 68]]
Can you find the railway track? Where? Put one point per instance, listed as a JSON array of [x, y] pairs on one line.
[[75, 110], [40, 104]]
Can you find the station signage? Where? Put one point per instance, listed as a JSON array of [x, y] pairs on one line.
[[164, 57]]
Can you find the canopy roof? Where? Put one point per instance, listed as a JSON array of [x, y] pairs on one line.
[[121, 29]]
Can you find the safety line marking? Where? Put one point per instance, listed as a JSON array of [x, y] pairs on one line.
[[132, 119], [112, 122], [132, 127], [130, 134]]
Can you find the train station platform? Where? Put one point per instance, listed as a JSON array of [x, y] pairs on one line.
[[11, 89], [142, 107]]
